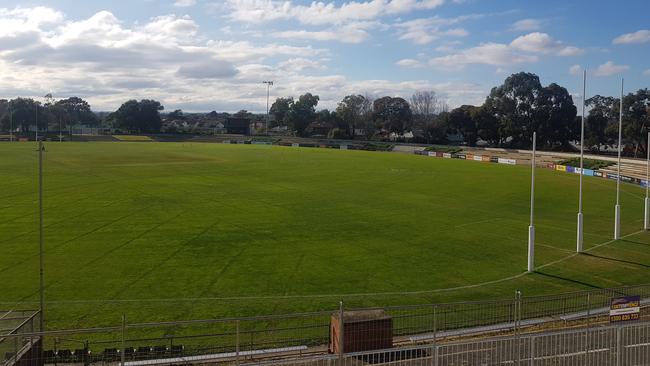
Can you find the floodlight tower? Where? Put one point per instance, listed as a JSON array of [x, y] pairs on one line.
[[268, 83], [579, 240], [617, 208]]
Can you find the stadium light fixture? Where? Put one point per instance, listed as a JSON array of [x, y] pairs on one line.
[[617, 208], [531, 227], [268, 83], [646, 221], [579, 238]]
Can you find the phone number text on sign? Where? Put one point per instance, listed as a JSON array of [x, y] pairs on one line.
[[624, 309]]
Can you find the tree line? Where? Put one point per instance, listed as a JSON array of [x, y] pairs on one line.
[[22, 114], [507, 117]]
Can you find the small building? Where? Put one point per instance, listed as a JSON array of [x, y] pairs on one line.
[[238, 126]]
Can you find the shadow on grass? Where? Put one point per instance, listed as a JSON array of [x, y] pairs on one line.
[[617, 260], [634, 242], [567, 279]]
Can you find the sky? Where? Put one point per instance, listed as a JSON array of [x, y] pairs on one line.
[[203, 55]]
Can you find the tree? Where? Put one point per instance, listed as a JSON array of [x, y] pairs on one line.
[[352, 110], [462, 120], [142, 116], [23, 111], [302, 113], [512, 104], [176, 115], [636, 119], [279, 110], [426, 107], [596, 122], [74, 110], [554, 117], [393, 114]]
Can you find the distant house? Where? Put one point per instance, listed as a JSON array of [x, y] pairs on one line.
[[238, 125], [319, 128]]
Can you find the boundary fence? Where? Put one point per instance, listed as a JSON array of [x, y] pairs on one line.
[[304, 335]]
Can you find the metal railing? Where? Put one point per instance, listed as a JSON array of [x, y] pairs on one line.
[[253, 338]]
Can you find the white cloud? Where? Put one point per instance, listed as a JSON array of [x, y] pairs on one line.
[[537, 42], [355, 32], [575, 70], [426, 30], [610, 68], [184, 3], [495, 54], [640, 36], [409, 63], [299, 64], [526, 25], [647, 72], [319, 13]]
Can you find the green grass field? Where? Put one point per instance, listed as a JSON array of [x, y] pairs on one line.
[[165, 231]]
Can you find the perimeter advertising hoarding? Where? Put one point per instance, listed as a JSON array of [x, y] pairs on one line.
[[446, 155], [469, 156], [569, 169], [624, 309], [588, 172], [460, 156], [432, 153], [550, 166], [478, 158], [561, 168], [507, 161], [597, 173]]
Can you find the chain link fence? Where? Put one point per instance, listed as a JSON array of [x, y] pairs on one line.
[[523, 323]]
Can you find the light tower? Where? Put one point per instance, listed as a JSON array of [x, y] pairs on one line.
[[268, 83]]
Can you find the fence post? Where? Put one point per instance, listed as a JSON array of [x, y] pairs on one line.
[[587, 329], [237, 342], [341, 336], [435, 325], [619, 347], [517, 316], [435, 354], [532, 351], [123, 355]]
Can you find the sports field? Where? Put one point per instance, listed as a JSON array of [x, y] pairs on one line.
[[163, 231]]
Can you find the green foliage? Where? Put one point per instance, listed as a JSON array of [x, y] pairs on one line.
[[594, 164], [134, 116], [302, 112], [393, 114], [279, 109]]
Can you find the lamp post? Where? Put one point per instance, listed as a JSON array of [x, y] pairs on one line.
[[268, 83], [11, 123], [617, 208], [41, 289], [579, 239]]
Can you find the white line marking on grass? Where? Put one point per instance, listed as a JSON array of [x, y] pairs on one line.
[[478, 222], [271, 297]]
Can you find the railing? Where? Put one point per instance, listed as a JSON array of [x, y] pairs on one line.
[[255, 338]]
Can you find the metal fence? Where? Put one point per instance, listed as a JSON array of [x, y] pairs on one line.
[[624, 345], [414, 329], [13, 323]]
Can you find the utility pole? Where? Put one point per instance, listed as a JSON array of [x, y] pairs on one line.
[[40, 235], [268, 83]]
